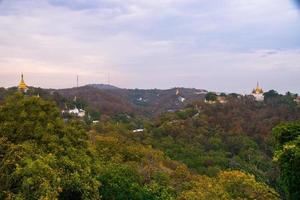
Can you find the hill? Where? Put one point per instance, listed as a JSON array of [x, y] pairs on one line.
[[44, 157], [103, 86], [182, 136], [112, 100]]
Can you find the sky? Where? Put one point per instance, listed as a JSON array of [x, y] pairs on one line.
[[221, 45]]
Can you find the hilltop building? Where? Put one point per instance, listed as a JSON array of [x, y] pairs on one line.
[[258, 93], [180, 98], [77, 112], [22, 85]]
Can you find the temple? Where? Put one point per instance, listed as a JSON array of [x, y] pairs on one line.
[[22, 85], [179, 97], [258, 93]]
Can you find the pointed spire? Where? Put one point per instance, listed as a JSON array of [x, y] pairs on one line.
[[22, 85], [258, 89], [257, 86]]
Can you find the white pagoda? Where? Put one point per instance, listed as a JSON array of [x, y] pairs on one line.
[[258, 93]]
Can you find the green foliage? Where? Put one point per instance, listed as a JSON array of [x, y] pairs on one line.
[[211, 96], [94, 114], [271, 94], [120, 183], [25, 118], [243, 186], [273, 98], [228, 185], [41, 157], [286, 132], [287, 156], [206, 148], [154, 191]]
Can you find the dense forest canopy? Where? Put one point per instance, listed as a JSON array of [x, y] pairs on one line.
[[204, 151]]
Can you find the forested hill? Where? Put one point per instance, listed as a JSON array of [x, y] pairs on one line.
[[110, 100], [227, 150], [44, 157]]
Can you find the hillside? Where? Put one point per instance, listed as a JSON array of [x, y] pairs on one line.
[[104, 101], [112, 100], [44, 157], [189, 142]]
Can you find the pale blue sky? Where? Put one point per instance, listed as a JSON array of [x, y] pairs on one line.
[[221, 45]]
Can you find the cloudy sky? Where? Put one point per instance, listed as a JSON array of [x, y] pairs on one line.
[[221, 45]]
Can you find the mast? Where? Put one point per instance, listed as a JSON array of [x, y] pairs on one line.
[[77, 81]]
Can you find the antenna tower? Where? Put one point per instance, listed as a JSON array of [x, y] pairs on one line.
[[77, 81]]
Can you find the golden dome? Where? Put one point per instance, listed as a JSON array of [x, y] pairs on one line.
[[22, 85]]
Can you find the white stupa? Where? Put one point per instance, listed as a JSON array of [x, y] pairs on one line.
[[258, 93]]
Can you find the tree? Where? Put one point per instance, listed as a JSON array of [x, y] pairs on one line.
[[271, 94], [40, 156], [228, 185], [287, 155], [211, 96], [120, 182], [244, 186]]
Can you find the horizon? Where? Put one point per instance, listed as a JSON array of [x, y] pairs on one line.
[[169, 88], [224, 47]]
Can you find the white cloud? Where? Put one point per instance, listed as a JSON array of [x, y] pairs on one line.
[[146, 43]]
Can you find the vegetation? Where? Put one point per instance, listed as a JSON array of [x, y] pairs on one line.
[[211, 96], [218, 151], [288, 157]]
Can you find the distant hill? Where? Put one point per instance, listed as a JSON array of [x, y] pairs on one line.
[[112, 100], [102, 100], [103, 86]]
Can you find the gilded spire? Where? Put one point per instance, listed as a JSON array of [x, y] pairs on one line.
[[258, 89], [22, 85]]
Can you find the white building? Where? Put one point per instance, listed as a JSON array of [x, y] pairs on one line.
[[77, 112], [179, 97], [138, 130]]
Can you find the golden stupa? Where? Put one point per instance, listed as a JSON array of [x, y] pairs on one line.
[[22, 85], [258, 90]]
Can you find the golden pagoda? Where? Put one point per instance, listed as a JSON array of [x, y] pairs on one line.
[[258, 93], [22, 85], [258, 90]]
